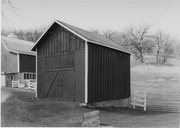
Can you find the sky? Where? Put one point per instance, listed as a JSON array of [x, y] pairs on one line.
[[95, 14]]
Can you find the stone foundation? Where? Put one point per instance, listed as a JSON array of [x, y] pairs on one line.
[[121, 103]]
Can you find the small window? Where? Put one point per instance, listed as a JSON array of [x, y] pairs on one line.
[[25, 76], [30, 76], [12, 77]]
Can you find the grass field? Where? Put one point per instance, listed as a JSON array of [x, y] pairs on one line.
[[19, 108], [162, 83]]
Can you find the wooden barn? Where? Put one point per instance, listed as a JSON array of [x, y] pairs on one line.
[[17, 60], [78, 65]]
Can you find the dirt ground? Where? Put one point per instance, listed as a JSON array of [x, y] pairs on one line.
[[20, 109]]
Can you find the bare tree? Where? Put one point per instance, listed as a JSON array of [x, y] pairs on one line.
[[29, 35], [159, 41], [109, 35], [138, 39], [177, 49], [8, 5], [163, 46], [167, 49]]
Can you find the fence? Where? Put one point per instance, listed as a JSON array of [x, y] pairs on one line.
[[30, 85], [163, 102], [15, 84], [139, 99]]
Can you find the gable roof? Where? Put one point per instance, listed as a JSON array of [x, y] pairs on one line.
[[87, 36], [17, 45]]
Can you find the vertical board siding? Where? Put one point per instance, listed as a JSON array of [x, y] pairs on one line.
[[61, 51], [12, 62], [108, 74]]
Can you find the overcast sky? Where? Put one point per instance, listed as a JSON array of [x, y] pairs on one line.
[[96, 14]]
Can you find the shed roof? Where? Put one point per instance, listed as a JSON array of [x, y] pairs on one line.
[[87, 36], [17, 45]]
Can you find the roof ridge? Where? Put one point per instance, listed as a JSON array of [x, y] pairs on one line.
[[86, 31]]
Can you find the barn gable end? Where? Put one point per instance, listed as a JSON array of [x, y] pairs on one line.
[[61, 59]]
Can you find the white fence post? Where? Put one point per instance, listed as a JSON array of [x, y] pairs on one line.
[[145, 101]]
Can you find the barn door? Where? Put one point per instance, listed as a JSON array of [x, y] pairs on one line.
[[60, 84]]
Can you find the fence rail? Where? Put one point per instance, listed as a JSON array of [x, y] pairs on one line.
[[15, 83], [163, 102]]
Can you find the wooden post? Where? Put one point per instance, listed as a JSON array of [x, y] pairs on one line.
[[145, 101]]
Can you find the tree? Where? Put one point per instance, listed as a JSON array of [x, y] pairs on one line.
[[8, 6], [163, 47], [109, 35], [29, 35], [167, 50], [138, 39], [177, 50], [159, 41]]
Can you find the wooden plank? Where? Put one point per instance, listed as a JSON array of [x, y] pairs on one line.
[[139, 100], [90, 114], [59, 69], [92, 122], [141, 105], [91, 119]]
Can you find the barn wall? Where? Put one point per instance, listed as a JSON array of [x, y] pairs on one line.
[[108, 74], [4, 53], [61, 51], [27, 63], [8, 61], [3, 80], [11, 62]]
